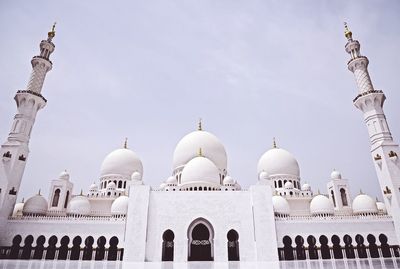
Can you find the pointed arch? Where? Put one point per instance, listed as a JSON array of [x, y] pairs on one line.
[[200, 235]]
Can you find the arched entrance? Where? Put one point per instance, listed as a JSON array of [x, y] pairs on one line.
[[233, 245], [168, 246], [200, 240]]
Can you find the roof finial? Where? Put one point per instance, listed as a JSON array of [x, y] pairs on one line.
[[39, 192], [126, 143], [361, 192], [23, 200], [273, 143], [199, 127], [81, 193], [200, 153], [376, 198], [347, 33], [52, 33]]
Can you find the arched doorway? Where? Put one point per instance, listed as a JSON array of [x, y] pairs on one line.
[[233, 245], [201, 237], [168, 246]]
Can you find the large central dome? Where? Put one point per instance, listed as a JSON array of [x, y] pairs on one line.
[[190, 144], [122, 162]]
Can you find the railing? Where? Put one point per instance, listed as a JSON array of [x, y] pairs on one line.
[[23, 253], [346, 252], [334, 217], [34, 93], [365, 93], [70, 218]]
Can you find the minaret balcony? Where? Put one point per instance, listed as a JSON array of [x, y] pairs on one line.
[[33, 93]]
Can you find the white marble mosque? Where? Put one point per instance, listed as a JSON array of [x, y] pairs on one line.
[[199, 212]]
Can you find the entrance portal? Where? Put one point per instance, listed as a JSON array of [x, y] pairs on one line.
[[200, 241]]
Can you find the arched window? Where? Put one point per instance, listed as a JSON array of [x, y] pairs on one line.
[[66, 200], [333, 198], [56, 197], [168, 246], [344, 197], [120, 184], [280, 183], [233, 245]]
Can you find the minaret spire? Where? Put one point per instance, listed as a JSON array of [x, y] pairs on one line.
[[29, 101], [384, 150]]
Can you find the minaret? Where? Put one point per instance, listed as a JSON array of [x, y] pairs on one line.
[[14, 151], [384, 150]]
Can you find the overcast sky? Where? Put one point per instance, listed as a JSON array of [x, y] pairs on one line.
[[147, 70]]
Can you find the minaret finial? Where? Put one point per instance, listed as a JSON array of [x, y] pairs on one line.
[[52, 33], [126, 143], [347, 33], [200, 153], [273, 143], [199, 127]]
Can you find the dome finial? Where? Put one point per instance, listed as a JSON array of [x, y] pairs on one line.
[[200, 153], [347, 33], [199, 127], [81, 193], [273, 143], [39, 192], [23, 200], [126, 143], [52, 33], [361, 192]]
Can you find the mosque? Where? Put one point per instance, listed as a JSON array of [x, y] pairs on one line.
[[199, 212]]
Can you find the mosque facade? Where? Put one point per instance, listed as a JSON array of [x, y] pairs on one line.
[[199, 213]]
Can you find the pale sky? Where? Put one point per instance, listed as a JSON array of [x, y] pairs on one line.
[[147, 70]]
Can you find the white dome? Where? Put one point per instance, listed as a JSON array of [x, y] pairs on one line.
[[93, 187], [263, 176], [79, 205], [171, 180], [200, 169], [111, 186], [336, 175], [120, 205], [321, 204], [289, 185], [306, 187], [64, 175], [35, 205], [381, 207], [18, 209], [281, 205], [121, 162], [277, 161], [364, 204], [211, 147], [163, 185], [136, 176], [228, 180]]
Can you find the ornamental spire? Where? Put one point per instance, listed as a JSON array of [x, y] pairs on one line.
[[347, 33], [273, 143], [52, 33], [199, 126], [200, 153], [126, 143]]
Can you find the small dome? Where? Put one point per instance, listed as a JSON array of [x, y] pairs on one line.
[[263, 176], [121, 162], [111, 186], [281, 205], [120, 205], [189, 145], [321, 204], [136, 176], [306, 187], [79, 205], [381, 207], [93, 187], [277, 161], [228, 180], [364, 204], [171, 180], [200, 169], [336, 174], [289, 185], [35, 205], [18, 209], [163, 185], [64, 175]]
